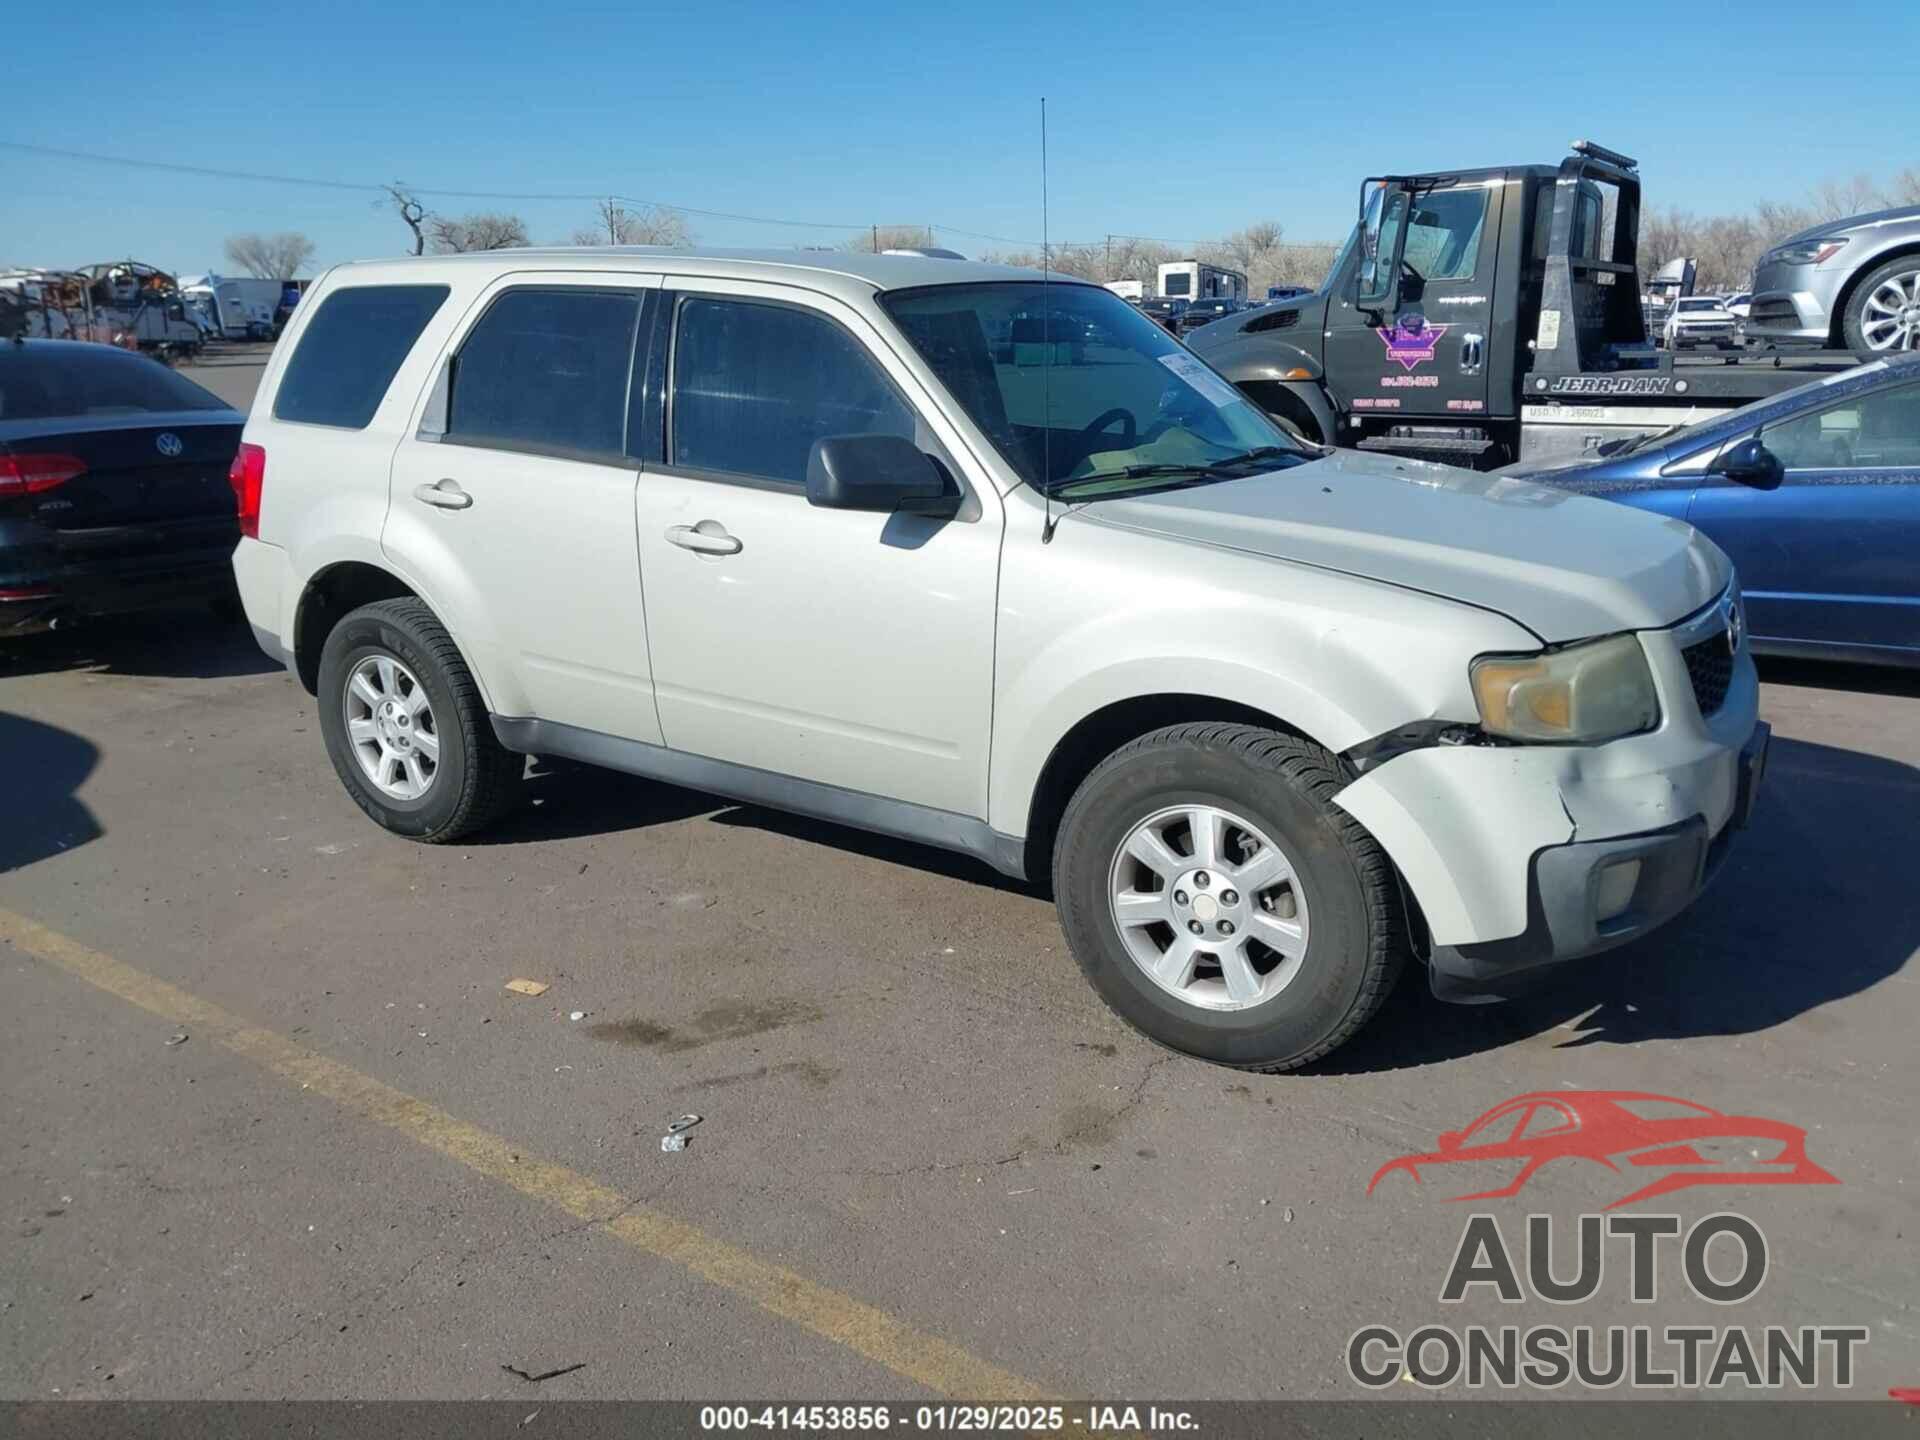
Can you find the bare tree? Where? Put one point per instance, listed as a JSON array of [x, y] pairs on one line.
[[1837, 199], [456, 234], [616, 224], [1255, 252], [270, 257], [1905, 189], [410, 210]]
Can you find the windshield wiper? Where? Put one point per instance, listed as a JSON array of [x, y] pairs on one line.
[[1222, 469], [1641, 442]]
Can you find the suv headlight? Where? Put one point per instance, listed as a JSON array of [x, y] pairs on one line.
[[1583, 694], [1807, 252]]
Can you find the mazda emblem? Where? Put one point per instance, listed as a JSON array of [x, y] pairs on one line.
[[168, 444], [1733, 628]]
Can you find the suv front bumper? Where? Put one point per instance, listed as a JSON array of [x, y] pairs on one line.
[[1516, 855], [1577, 907]]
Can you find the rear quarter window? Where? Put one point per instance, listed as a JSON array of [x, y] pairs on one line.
[[350, 352]]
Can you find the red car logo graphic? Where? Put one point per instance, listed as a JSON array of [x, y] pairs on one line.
[[1628, 1131]]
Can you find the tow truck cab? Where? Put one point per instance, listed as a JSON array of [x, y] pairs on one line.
[[1484, 316]]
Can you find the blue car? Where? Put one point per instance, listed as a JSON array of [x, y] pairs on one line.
[[1814, 493]]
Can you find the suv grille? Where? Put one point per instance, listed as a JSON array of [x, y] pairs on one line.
[[1710, 668]]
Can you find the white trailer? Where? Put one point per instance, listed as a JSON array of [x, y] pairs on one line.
[[1197, 280], [1135, 290], [241, 306]]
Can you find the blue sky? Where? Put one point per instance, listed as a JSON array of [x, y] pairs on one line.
[[1174, 120]]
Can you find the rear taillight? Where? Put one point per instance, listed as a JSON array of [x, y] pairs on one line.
[[30, 474], [248, 476]]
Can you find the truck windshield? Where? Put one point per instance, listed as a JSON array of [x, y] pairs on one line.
[[1081, 392]]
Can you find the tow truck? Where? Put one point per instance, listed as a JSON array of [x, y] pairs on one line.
[[1480, 317]]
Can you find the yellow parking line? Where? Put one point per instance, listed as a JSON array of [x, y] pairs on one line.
[[862, 1328]]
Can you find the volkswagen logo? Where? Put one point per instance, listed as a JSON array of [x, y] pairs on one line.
[[168, 444]]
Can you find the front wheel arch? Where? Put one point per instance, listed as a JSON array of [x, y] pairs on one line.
[[1837, 334]]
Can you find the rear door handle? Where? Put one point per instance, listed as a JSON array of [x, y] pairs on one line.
[[447, 495], [715, 541]]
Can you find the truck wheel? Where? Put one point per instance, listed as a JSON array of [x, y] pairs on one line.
[[1883, 314], [1292, 430], [1221, 903], [405, 726]]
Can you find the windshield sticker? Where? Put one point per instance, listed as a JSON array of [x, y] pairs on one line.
[[1201, 378], [1411, 341]]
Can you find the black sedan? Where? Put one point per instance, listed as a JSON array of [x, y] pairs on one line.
[[113, 485]]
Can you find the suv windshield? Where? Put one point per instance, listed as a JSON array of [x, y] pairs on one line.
[[1082, 394]]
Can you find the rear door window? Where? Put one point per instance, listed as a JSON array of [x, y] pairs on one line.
[[755, 384], [547, 370], [350, 352]]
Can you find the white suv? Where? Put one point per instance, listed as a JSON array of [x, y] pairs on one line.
[[957, 554]]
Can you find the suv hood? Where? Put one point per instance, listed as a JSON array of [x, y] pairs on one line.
[[1564, 566]]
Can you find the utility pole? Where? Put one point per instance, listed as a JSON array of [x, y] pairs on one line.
[[876, 239], [1108, 269]]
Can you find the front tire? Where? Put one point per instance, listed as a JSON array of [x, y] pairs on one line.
[[1221, 903], [1883, 313], [405, 726]]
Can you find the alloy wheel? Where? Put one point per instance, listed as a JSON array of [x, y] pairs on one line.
[[1890, 319], [1209, 907], [391, 728]]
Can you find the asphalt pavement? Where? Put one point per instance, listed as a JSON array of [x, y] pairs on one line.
[[275, 1126]]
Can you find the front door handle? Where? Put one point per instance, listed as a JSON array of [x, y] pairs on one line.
[[447, 495], [712, 541]]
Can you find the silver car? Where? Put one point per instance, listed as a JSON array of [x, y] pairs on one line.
[[1850, 284]]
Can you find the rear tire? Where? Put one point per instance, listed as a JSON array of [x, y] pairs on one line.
[[1272, 789], [473, 778]]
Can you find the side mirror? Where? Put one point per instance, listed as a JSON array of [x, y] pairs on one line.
[[1749, 462], [876, 472]]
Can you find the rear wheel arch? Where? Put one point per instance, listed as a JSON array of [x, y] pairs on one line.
[[328, 597]]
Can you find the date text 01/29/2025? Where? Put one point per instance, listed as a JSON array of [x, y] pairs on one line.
[[948, 1419]]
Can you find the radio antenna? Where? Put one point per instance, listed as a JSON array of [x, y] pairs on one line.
[[1046, 344]]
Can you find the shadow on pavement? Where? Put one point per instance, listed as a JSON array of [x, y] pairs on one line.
[[190, 644], [45, 767], [1817, 902], [566, 800]]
